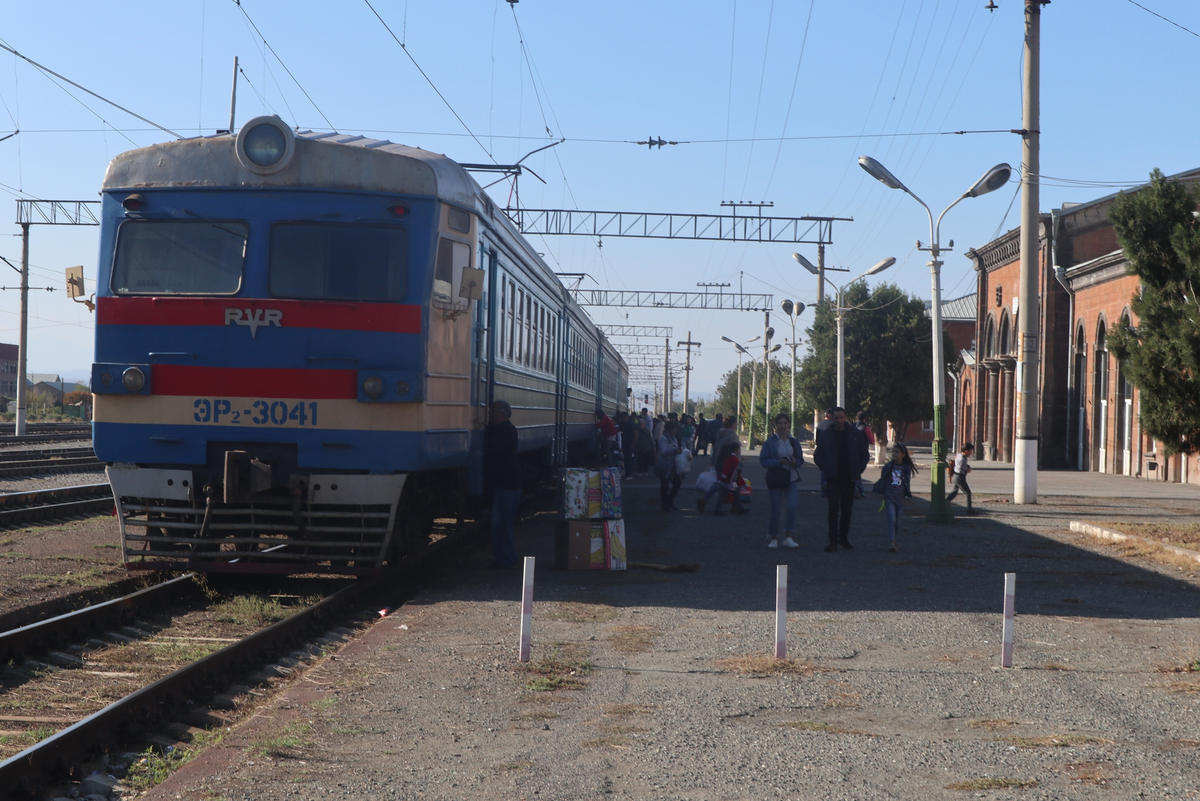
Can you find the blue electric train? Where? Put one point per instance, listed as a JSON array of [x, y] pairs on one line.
[[298, 336]]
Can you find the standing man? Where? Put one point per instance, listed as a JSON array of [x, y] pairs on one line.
[[502, 479], [701, 435], [841, 455]]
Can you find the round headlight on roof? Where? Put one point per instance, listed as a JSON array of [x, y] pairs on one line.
[[265, 145]]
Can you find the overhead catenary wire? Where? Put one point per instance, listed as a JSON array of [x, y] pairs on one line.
[[429, 81], [791, 97], [4, 46], [1164, 19], [238, 3]]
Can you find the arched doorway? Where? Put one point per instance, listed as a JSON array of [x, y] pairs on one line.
[[1100, 401]]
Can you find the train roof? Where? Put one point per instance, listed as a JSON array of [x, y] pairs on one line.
[[362, 164]]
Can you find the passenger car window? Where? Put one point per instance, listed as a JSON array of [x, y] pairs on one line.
[[179, 257], [339, 261]]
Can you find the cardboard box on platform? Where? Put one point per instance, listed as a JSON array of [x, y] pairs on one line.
[[590, 545], [591, 494], [573, 545]]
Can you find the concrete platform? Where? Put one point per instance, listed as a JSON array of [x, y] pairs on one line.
[[895, 691]]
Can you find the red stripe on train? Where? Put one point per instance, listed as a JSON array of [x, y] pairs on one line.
[[253, 382], [393, 318]]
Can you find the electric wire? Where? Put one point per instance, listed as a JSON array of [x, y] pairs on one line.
[[267, 44], [729, 97], [44, 69], [1164, 19], [792, 97], [429, 81], [758, 103]]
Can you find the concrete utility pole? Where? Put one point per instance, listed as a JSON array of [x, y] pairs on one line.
[[667, 375], [687, 369], [1025, 459], [23, 342], [768, 332], [820, 274]]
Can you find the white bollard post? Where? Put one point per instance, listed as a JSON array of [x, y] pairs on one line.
[[527, 609], [781, 612], [1010, 604]]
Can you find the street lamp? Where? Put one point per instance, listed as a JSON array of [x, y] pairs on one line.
[[767, 351], [993, 179], [841, 316], [793, 310], [740, 351]]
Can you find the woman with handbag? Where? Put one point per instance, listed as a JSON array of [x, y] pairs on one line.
[[664, 467], [782, 457]]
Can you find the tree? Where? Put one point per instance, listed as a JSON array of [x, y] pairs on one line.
[[888, 358], [726, 401], [1160, 236]]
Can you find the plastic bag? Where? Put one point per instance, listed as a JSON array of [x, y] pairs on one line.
[[683, 462], [706, 480]]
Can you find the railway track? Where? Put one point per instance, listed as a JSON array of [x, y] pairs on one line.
[[144, 715], [56, 503], [42, 467]]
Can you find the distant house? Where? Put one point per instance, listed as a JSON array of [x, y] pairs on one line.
[[53, 390], [8, 370]]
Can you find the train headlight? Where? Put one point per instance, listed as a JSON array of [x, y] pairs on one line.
[[265, 145], [373, 387], [133, 379]]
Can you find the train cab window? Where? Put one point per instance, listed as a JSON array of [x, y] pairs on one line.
[[452, 258], [338, 261], [179, 257]]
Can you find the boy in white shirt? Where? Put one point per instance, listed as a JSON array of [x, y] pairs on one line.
[[962, 466]]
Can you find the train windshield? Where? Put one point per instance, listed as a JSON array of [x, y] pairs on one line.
[[339, 261], [179, 257]]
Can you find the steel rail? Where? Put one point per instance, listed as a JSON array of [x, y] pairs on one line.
[[37, 638], [43, 467], [47, 453], [50, 759], [19, 508]]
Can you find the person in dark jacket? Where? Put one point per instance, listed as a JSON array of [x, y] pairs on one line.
[[502, 480], [894, 485], [842, 456]]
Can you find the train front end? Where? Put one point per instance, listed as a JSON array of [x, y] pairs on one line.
[[262, 329]]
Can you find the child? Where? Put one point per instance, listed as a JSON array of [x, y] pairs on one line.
[[958, 475], [894, 485], [729, 479]]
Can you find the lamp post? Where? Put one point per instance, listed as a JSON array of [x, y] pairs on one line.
[[793, 310], [767, 351], [841, 316], [993, 179], [740, 350]]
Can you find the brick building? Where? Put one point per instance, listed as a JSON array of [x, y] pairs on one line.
[[1089, 410]]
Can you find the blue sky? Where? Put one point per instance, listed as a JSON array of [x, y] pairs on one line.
[[814, 84]]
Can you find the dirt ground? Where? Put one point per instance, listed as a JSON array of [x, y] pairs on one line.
[[659, 685], [45, 562]]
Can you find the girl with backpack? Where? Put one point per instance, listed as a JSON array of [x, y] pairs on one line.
[[782, 457], [893, 485]]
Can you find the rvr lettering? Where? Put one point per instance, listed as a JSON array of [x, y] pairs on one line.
[[254, 318]]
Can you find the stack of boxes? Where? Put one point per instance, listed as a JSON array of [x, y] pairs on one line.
[[591, 535]]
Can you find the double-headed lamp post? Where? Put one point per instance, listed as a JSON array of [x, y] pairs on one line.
[[740, 350], [793, 310], [841, 317], [993, 179]]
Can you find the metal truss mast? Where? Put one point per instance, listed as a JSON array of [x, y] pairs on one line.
[[57, 212], [637, 330], [673, 300], [648, 225]]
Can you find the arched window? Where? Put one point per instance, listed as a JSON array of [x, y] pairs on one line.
[[1004, 345], [1100, 447], [989, 338]]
